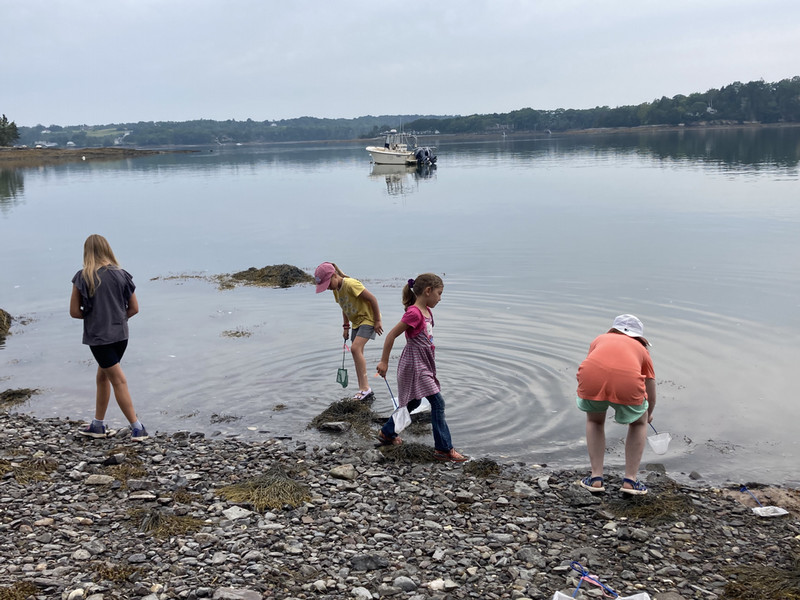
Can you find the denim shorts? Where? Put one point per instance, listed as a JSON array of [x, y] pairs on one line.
[[365, 331], [624, 414], [107, 355]]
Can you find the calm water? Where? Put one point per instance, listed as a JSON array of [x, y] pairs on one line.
[[540, 243]]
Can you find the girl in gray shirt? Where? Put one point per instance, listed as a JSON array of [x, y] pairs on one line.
[[103, 297]]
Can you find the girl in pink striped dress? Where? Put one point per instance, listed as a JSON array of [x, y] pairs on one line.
[[416, 369]]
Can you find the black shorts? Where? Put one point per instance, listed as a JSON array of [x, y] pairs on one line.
[[107, 355]]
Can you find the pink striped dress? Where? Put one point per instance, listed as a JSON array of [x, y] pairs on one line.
[[416, 369]]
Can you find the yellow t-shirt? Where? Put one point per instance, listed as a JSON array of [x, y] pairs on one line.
[[358, 310]]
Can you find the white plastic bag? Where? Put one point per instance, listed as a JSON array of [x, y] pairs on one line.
[[770, 511], [423, 406]]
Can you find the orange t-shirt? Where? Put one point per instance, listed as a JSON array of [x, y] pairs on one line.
[[615, 370]]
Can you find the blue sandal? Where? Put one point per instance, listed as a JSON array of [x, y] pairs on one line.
[[637, 487], [588, 481]]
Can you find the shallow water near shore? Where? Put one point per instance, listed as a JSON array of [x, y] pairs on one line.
[[540, 244]]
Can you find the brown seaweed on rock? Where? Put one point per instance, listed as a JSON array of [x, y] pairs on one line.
[[274, 489], [409, 452], [275, 276], [281, 276], [355, 412], [11, 398], [164, 524], [665, 507], [764, 582], [482, 467], [21, 590], [5, 324]]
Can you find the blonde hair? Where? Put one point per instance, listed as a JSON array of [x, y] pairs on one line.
[[97, 253], [339, 272], [415, 287]]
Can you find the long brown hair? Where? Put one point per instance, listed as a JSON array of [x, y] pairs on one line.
[[415, 287], [97, 253]]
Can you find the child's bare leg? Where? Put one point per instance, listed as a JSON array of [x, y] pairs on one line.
[[596, 441], [634, 447], [102, 395], [357, 350], [116, 377]]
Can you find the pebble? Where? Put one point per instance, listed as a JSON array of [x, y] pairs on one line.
[[371, 529]]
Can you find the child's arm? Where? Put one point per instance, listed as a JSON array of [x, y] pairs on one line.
[[376, 312], [346, 325], [396, 331], [75, 304], [650, 390], [133, 306]]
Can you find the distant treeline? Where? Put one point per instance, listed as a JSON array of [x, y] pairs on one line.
[[756, 101]]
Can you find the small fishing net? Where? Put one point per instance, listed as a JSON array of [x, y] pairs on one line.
[[341, 374]]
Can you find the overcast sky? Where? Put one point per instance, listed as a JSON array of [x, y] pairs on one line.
[[68, 62]]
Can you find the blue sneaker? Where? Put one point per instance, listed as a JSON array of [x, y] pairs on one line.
[[94, 431], [139, 435]]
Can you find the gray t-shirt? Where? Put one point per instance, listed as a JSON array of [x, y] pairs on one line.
[[104, 314]]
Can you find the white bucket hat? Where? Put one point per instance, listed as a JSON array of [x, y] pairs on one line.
[[630, 326]]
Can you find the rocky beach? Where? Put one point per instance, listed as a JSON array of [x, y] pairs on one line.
[[185, 516]]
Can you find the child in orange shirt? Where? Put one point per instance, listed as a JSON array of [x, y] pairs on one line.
[[617, 373]]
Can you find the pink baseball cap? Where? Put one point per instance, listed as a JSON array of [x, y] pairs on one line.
[[323, 276]]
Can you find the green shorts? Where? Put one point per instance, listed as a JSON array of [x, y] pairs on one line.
[[623, 414]]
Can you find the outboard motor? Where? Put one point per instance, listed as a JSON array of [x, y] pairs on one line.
[[424, 156]]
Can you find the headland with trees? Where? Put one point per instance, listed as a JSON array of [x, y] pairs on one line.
[[734, 104]]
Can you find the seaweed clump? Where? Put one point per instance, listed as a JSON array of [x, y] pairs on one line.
[[356, 412], [281, 276], [163, 524], [661, 508], [274, 489], [11, 398], [482, 467], [115, 573], [37, 468], [411, 452], [131, 469], [21, 590], [5, 324], [763, 582]]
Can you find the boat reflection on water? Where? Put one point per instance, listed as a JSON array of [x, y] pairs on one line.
[[402, 179]]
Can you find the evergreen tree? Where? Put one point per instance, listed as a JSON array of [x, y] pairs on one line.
[[8, 132]]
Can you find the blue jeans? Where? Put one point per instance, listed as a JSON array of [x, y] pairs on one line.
[[441, 433]]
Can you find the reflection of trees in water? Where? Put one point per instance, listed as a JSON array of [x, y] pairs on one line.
[[11, 185], [756, 147]]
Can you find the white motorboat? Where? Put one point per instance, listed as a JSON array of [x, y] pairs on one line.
[[401, 149]]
